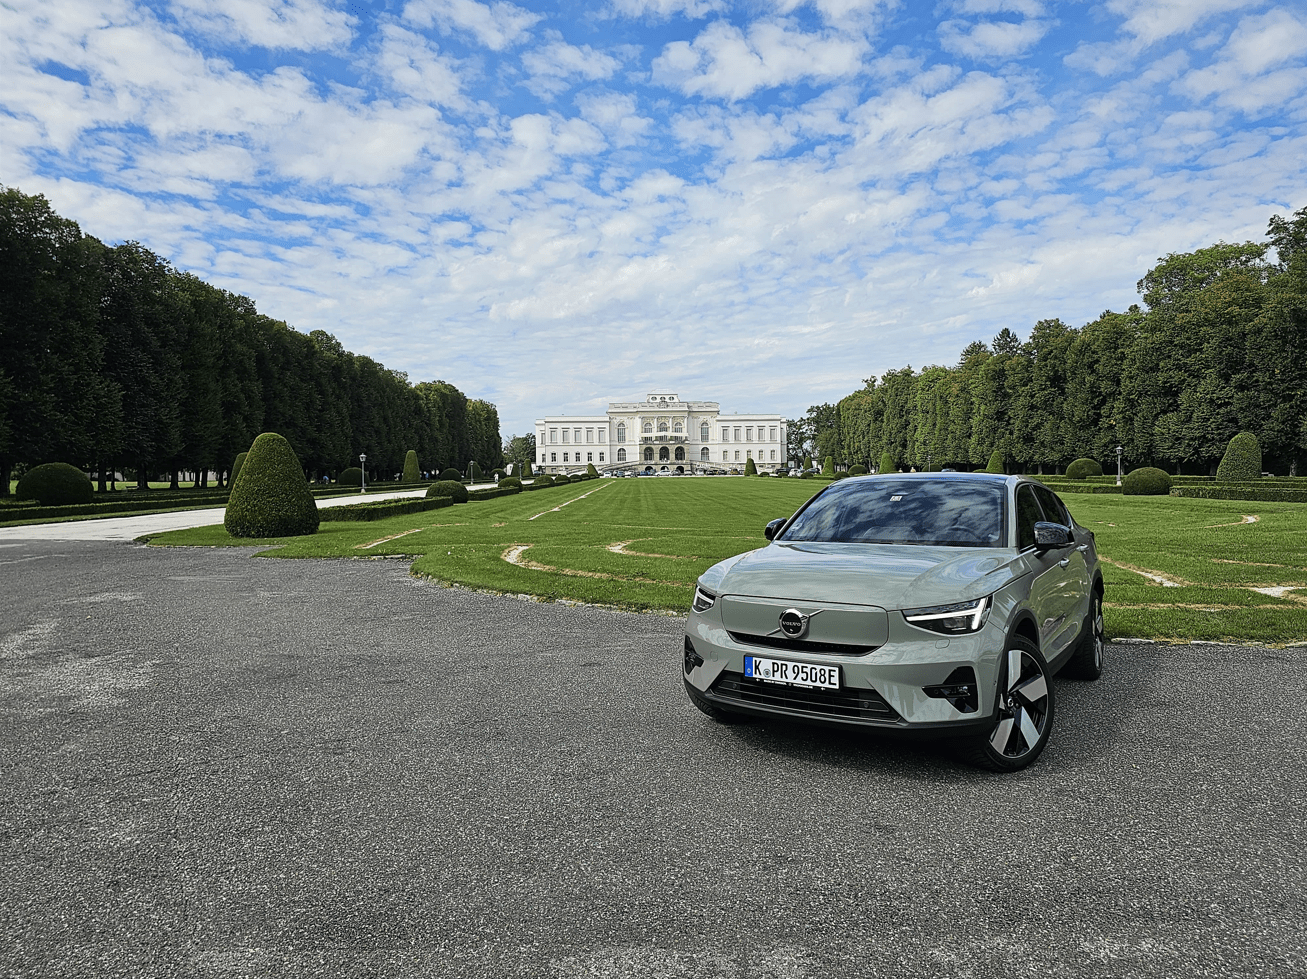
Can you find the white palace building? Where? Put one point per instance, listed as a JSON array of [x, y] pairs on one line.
[[661, 432]]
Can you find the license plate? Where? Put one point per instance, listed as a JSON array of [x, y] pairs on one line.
[[794, 674]]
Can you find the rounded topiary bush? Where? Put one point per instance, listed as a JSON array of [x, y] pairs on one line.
[[236, 468], [888, 464], [510, 482], [996, 462], [55, 484], [782, 473], [857, 469], [353, 476], [412, 474], [805, 475], [1146, 482], [451, 475], [1242, 459], [1083, 469], [562, 478], [544, 479], [271, 497], [839, 475], [452, 488]]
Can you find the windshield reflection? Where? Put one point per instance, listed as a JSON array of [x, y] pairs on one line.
[[941, 512]]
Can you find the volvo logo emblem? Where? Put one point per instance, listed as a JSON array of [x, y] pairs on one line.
[[795, 623]]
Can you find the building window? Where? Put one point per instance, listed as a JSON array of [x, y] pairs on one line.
[[589, 434], [577, 438], [773, 455], [553, 457], [621, 433], [601, 456], [621, 455], [662, 454], [564, 456], [662, 426], [603, 435], [676, 428], [589, 457], [703, 432], [726, 434], [737, 455], [566, 431], [748, 434], [648, 454], [749, 454], [737, 438], [680, 453], [725, 455], [542, 457], [648, 428], [771, 434], [553, 435], [703, 454]]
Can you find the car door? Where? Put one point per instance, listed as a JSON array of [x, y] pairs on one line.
[[1075, 558], [1052, 583]]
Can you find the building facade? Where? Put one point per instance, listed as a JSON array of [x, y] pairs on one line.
[[661, 432]]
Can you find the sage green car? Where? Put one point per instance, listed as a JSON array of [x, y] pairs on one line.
[[931, 603]]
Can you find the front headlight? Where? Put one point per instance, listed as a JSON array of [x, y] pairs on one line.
[[703, 600], [951, 620]]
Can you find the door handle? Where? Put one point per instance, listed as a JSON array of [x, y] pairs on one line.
[[1064, 562]]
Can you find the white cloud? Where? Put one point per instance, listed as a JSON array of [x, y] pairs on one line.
[[416, 67], [1242, 77], [553, 67], [725, 62], [991, 39], [615, 114], [497, 25], [285, 24], [1154, 20], [664, 9]]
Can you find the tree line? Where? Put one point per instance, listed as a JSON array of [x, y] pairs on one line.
[[110, 359], [1218, 347]]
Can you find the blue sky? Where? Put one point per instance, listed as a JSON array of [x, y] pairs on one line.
[[555, 205]]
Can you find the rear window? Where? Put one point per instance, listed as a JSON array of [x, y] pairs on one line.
[[943, 512]]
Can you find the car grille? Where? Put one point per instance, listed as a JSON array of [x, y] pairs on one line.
[[854, 703], [800, 645]]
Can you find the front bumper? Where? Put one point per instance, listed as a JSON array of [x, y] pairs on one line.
[[884, 688]]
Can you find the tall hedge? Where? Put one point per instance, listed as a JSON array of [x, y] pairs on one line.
[[412, 474], [271, 497], [236, 468], [1083, 469], [1242, 459], [888, 464], [55, 484]]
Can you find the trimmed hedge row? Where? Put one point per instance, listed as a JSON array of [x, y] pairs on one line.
[[1269, 494], [10, 514], [492, 494], [1058, 487], [381, 509]]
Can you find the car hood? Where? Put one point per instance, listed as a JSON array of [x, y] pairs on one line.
[[893, 576]]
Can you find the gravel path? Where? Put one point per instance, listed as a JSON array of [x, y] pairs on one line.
[[217, 765]]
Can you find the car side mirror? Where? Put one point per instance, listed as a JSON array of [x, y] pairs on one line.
[[1048, 535], [774, 528]]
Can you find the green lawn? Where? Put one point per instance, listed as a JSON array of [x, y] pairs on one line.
[[641, 543]]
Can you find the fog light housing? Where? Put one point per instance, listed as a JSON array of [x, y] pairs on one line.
[[692, 658], [959, 689]]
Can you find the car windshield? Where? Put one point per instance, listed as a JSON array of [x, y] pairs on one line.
[[943, 512]]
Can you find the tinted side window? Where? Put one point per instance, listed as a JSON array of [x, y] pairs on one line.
[[1053, 506], [1028, 514]]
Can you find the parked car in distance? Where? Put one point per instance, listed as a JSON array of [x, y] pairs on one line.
[[938, 604]]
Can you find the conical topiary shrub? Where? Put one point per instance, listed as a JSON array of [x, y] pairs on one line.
[[888, 464], [1242, 459], [236, 468], [55, 484], [590, 469], [828, 466], [525, 472], [807, 462], [749, 468], [996, 462], [271, 497], [412, 474]]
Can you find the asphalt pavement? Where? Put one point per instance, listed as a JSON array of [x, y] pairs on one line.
[[216, 765]]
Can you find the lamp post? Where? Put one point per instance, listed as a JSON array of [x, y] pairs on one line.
[[1119, 450], [364, 470]]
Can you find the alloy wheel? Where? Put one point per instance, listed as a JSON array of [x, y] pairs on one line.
[[1023, 707]]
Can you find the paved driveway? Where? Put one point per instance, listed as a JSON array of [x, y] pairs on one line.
[[216, 765]]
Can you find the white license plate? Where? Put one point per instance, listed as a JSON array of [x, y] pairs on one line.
[[794, 674]]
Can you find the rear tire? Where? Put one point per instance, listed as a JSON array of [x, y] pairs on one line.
[[1023, 717], [1086, 663]]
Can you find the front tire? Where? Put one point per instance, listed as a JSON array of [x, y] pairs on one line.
[[1023, 719]]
